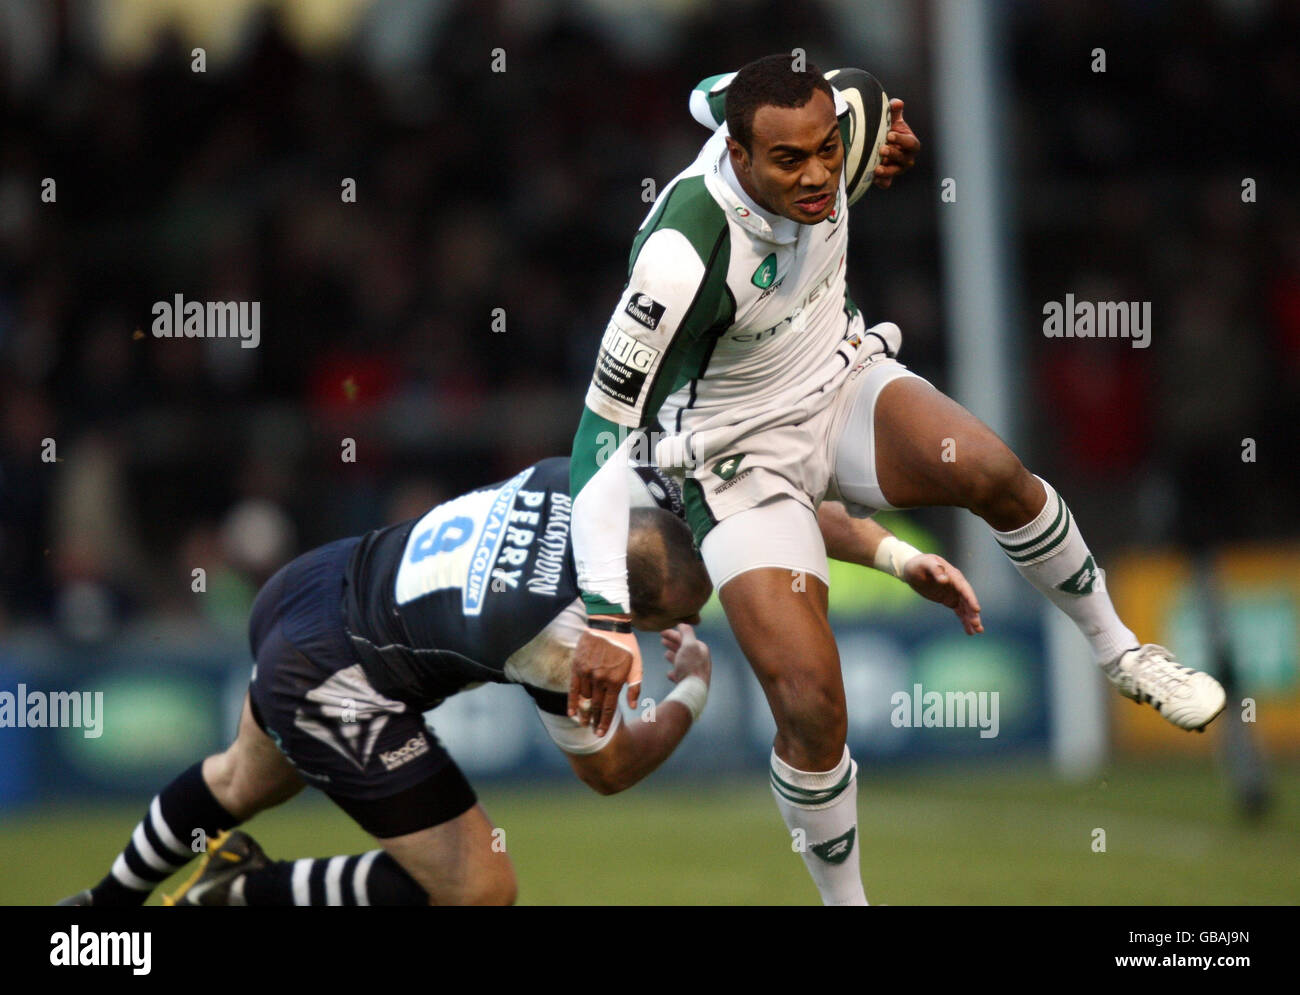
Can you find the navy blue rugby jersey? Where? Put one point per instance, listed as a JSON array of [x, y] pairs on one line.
[[443, 602]]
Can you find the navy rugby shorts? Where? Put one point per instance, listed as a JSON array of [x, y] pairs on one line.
[[371, 754]]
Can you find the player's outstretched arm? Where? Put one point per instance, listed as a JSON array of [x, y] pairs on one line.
[[849, 539], [608, 655], [640, 745], [866, 542]]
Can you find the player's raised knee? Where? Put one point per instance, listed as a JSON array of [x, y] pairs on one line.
[[992, 477]]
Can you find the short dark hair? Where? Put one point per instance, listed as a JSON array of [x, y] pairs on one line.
[[771, 80], [660, 546]]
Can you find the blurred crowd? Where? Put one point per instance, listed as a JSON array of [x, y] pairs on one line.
[[446, 321]]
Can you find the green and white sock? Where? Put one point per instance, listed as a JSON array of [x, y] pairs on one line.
[[1050, 553], [821, 812]]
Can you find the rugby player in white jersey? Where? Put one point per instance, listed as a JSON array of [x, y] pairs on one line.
[[736, 340]]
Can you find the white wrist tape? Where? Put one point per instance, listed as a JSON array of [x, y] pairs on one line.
[[693, 693], [892, 554]]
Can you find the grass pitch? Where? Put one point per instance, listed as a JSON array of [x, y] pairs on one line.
[[928, 837]]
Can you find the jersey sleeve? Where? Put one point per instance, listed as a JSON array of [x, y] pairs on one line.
[[599, 528], [709, 100], [658, 339], [655, 323]]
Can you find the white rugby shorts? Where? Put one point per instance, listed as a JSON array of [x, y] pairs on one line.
[[781, 530]]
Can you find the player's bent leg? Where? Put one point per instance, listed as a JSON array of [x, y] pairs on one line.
[[194, 810], [461, 862], [929, 450], [252, 774], [787, 639], [775, 598], [438, 847], [179, 824], [926, 449], [786, 636], [176, 827], [236, 871]]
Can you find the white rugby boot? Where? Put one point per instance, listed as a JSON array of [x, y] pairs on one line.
[[1188, 698]]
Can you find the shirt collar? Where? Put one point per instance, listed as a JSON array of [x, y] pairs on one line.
[[726, 189]]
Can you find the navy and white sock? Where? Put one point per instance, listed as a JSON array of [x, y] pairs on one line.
[[163, 841], [372, 878]]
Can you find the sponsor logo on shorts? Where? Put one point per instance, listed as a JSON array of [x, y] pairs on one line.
[[645, 310], [734, 480], [414, 747], [727, 466], [346, 714]]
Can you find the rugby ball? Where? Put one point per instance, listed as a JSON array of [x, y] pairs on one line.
[[868, 112]]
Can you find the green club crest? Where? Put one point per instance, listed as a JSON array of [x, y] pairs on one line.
[[766, 272]]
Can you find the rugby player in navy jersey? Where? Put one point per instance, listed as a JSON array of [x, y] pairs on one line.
[[355, 640]]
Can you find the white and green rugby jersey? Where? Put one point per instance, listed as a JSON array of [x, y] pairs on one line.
[[732, 319], [726, 305]]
